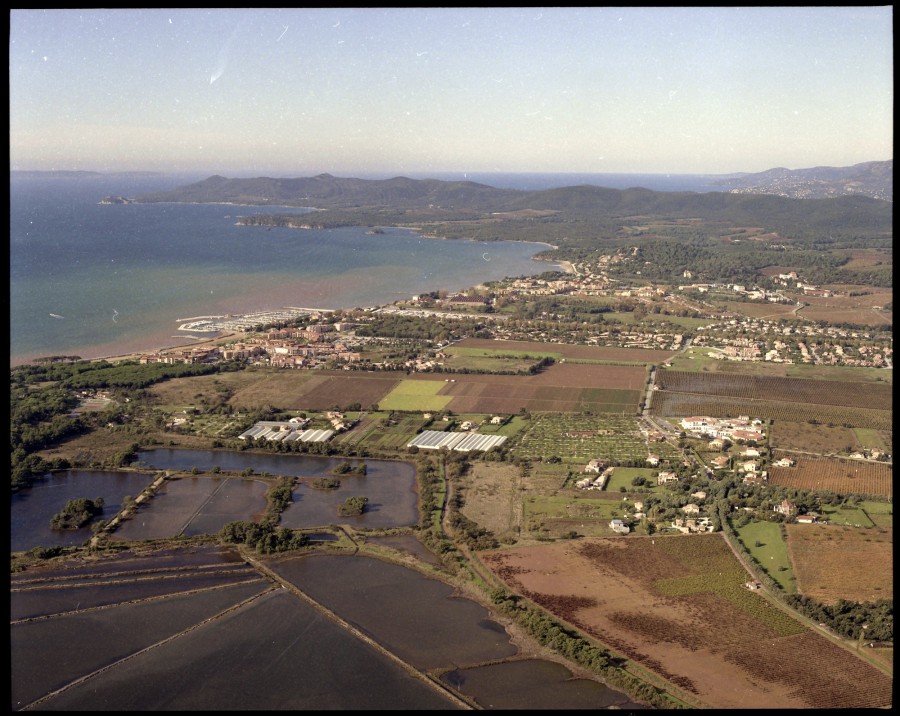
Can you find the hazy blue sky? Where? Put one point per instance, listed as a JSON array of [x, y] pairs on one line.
[[293, 92]]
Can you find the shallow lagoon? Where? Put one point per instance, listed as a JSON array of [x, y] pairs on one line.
[[390, 485], [32, 508]]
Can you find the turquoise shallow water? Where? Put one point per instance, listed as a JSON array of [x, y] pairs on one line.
[[95, 280]]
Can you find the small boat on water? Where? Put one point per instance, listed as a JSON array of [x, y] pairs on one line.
[[54, 315]]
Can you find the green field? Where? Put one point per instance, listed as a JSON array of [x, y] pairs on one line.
[[556, 515], [772, 553], [852, 516], [880, 513], [379, 432], [418, 395], [500, 353], [868, 438], [622, 477]]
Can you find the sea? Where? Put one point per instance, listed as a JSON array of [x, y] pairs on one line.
[[98, 280]]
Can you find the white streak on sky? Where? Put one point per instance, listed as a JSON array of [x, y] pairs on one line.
[[223, 56]]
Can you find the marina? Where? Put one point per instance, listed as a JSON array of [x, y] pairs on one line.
[[245, 321]]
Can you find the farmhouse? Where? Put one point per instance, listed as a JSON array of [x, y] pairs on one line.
[[596, 465], [666, 477], [691, 509], [785, 508], [784, 462], [619, 526], [653, 460], [692, 526], [808, 519]]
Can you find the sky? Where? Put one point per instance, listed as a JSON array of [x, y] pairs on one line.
[[369, 91]]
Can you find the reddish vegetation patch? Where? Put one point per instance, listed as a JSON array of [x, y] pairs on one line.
[[659, 602], [833, 562], [638, 355], [835, 475]]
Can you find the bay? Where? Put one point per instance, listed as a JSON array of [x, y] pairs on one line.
[[99, 280]]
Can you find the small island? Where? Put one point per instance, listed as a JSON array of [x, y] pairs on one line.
[[76, 514], [353, 506], [115, 200]]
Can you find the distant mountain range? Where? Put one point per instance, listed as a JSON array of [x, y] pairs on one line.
[[870, 179], [874, 179]]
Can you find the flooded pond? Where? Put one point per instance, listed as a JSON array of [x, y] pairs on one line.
[[427, 624], [32, 508], [195, 505], [222, 636], [390, 486]]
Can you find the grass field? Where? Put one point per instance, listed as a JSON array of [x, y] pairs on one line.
[[554, 516], [771, 552], [478, 359], [622, 477], [869, 439], [419, 395], [571, 352]]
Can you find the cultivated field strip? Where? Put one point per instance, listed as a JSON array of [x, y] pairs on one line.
[[869, 395], [860, 477], [637, 355], [666, 403], [833, 562]]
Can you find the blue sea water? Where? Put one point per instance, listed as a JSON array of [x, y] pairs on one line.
[[98, 280]]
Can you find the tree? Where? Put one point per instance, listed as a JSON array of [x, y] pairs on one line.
[[353, 506], [77, 513]]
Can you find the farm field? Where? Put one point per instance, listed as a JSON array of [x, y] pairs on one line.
[[588, 515], [833, 562], [577, 439], [752, 309], [847, 309], [378, 431], [416, 395], [671, 404], [876, 396], [821, 439], [695, 359], [627, 355], [765, 544], [622, 477], [558, 388], [561, 387], [676, 606], [476, 359], [836, 475]]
